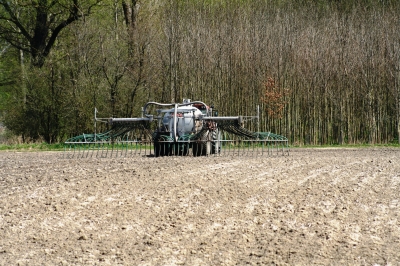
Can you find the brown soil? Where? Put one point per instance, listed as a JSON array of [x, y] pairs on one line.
[[315, 206]]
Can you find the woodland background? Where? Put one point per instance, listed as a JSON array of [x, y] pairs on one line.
[[323, 72]]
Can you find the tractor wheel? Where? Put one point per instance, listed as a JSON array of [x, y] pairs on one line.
[[196, 149], [157, 149], [216, 143], [203, 146], [181, 149], [162, 148]]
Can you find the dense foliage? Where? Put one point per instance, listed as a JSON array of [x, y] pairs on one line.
[[323, 72]]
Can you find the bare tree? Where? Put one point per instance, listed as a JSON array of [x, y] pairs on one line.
[[37, 35]]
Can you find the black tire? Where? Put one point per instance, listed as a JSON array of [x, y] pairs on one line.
[[162, 148], [197, 149], [181, 149], [157, 149], [215, 144], [203, 146]]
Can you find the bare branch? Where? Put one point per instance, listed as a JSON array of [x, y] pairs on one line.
[[15, 20]]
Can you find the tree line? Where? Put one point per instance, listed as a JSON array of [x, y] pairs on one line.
[[323, 72]]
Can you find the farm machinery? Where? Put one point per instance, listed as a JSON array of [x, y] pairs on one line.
[[190, 128]]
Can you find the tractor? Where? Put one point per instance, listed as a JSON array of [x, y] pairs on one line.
[[180, 129]]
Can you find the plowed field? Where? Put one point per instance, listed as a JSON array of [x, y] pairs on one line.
[[315, 206]]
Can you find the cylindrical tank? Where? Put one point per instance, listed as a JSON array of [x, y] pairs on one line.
[[186, 120]]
